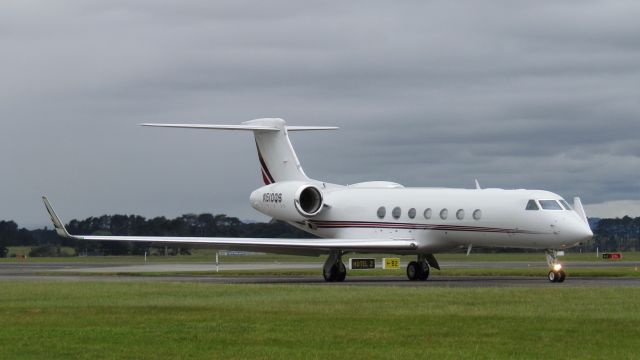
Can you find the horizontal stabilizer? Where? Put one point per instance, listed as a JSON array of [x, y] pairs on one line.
[[307, 128], [240, 127], [216, 127]]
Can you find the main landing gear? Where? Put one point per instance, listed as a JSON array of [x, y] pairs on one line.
[[556, 273], [419, 270], [334, 269]]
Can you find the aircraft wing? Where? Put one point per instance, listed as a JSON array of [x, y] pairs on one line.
[[287, 246]]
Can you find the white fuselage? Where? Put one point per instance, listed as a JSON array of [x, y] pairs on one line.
[[439, 218]]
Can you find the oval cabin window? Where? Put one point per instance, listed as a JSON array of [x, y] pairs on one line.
[[412, 213], [460, 214], [396, 212], [382, 211], [444, 213], [477, 214], [427, 213]]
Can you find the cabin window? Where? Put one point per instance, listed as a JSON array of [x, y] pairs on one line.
[[444, 213], [460, 214], [532, 205], [412, 213], [550, 205], [396, 212], [477, 214], [382, 211], [566, 206], [427, 213]]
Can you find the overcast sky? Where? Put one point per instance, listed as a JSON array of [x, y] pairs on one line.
[[542, 94]]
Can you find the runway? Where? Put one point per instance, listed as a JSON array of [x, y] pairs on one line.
[[82, 272], [141, 268]]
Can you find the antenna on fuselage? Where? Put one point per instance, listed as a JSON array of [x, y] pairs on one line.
[[478, 185]]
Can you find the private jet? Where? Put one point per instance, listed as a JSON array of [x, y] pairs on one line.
[[382, 216]]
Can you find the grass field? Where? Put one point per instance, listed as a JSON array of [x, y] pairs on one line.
[[188, 320]]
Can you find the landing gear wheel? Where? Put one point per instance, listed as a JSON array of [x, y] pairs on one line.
[[330, 274], [412, 271], [557, 276], [337, 272], [342, 272], [563, 275], [423, 271]]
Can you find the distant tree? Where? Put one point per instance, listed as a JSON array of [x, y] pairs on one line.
[[618, 234], [11, 235], [45, 251]]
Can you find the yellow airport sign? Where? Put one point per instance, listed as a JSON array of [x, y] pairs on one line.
[[391, 263]]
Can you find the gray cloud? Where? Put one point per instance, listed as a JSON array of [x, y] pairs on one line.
[[517, 94]]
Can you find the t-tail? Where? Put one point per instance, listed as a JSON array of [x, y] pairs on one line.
[[278, 160]]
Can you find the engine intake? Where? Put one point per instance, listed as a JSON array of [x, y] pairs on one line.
[[308, 200]]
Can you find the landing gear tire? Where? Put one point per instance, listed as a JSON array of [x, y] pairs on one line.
[[412, 270], [563, 275], [557, 276], [342, 273], [423, 271], [337, 272]]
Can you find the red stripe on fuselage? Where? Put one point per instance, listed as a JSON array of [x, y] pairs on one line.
[[409, 226], [265, 178]]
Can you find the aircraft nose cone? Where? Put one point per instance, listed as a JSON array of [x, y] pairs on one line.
[[588, 234], [582, 231]]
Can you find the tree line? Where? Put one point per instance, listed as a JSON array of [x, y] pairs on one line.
[[46, 242], [609, 234], [617, 234]]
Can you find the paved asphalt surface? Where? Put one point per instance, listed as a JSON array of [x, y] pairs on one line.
[[69, 272]]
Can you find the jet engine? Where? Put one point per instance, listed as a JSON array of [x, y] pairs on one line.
[[288, 200]]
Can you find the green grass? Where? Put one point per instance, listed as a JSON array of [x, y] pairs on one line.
[[169, 320]]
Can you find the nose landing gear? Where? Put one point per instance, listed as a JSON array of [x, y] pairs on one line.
[[556, 273]]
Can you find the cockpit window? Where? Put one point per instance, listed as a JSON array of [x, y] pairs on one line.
[[531, 205], [550, 205], [566, 206]]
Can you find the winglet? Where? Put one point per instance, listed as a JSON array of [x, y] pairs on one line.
[[577, 206], [57, 223]]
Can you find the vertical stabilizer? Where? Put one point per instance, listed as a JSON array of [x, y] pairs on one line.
[[278, 160]]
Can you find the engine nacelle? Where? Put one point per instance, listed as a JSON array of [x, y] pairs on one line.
[[288, 200]]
